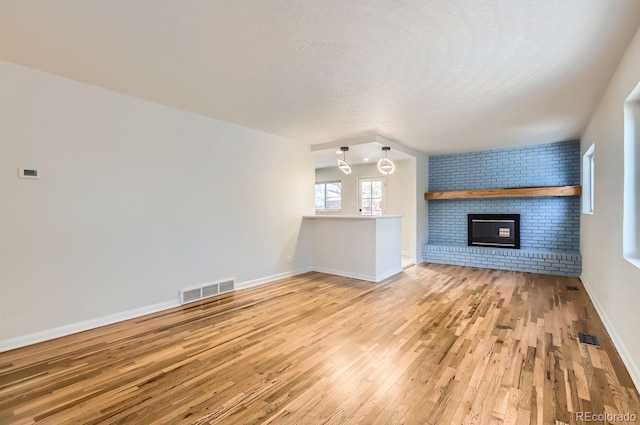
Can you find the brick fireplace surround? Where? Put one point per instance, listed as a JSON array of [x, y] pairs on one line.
[[549, 226]]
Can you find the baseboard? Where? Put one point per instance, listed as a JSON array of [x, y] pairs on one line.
[[34, 338], [388, 274], [267, 279], [626, 357], [368, 278]]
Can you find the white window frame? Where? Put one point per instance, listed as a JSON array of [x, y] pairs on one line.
[[588, 180], [384, 193], [631, 185], [325, 209]]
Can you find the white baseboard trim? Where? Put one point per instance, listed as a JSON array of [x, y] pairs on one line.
[[627, 359], [267, 279], [34, 338], [368, 278], [389, 273]]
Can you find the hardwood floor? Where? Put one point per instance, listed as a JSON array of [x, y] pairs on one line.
[[432, 345]]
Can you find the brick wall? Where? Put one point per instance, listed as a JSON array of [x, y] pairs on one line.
[[549, 225], [555, 164]]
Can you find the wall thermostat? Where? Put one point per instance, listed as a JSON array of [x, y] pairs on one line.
[[28, 173]]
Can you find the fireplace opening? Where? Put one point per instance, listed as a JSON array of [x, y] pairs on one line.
[[494, 230]]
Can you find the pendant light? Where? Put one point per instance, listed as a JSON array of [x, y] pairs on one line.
[[343, 165], [385, 165]]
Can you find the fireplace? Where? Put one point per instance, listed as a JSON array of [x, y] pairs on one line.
[[494, 230]]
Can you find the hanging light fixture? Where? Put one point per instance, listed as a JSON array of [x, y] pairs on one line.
[[385, 165], [343, 165]]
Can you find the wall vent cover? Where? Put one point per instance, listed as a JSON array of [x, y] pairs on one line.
[[572, 288], [210, 290], [28, 173], [227, 286], [207, 290], [191, 295], [588, 339]]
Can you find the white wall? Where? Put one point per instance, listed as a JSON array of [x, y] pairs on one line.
[[400, 189], [400, 194], [422, 206], [136, 201], [613, 282]]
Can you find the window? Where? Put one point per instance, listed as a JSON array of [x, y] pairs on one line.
[[588, 180], [329, 196], [631, 190], [372, 195]]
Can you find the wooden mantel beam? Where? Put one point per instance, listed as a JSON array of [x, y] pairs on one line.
[[507, 193]]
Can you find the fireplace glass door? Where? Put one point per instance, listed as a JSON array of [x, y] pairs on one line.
[[494, 230]]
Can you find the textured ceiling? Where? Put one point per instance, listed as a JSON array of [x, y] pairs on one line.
[[434, 75]]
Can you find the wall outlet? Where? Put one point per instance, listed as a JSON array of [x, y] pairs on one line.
[[289, 260]]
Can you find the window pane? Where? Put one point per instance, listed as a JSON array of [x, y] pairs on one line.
[[366, 190], [588, 170], [592, 171], [320, 196], [376, 190], [334, 195], [328, 195], [376, 207], [366, 207]]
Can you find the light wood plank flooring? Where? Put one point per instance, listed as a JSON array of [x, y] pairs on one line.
[[433, 345]]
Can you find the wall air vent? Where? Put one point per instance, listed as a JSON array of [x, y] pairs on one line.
[[210, 290], [190, 295], [28, 173], [227, 286], [207, 290]]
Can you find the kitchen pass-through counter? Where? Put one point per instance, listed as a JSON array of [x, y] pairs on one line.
[[360, 247]]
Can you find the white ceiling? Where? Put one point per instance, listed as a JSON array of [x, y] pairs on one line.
[[435, 75]]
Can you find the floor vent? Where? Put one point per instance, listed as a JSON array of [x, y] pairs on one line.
[[587, 339], [206, 291], [572, 288]]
